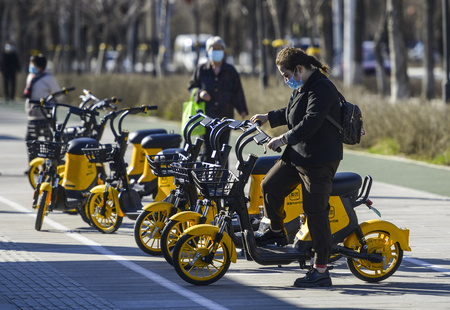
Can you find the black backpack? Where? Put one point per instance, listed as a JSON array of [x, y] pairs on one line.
[[351, 120]]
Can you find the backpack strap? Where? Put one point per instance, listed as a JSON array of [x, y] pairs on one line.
[[333, 121]]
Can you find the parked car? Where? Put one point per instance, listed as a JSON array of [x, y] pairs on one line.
[[368, 58]]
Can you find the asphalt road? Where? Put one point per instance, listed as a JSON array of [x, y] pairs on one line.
[[69, 265]]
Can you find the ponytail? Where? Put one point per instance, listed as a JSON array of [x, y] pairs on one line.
[[325, 69]]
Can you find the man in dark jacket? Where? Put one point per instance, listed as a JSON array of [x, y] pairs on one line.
[[219, 85], [9, 67]]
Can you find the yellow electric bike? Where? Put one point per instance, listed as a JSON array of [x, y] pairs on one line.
[[203, 254], [151, 221], [67, 192], [108, 203]]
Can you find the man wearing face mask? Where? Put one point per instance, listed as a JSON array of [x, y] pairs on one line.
[[311, 157], [218, 84], [40, 84]]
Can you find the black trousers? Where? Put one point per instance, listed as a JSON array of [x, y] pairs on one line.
[[317, 183], [9, 85]]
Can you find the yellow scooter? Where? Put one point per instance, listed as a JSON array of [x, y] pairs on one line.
[[70, 191], [374, 249]]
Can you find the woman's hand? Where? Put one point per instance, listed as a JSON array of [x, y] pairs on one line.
[[263, 118], [276, 142], [204, 95]]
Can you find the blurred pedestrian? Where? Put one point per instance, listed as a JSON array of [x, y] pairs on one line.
[[10, 65], [219, 85], [40, 84]]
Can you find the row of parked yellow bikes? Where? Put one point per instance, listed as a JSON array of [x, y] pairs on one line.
[[201, 211]]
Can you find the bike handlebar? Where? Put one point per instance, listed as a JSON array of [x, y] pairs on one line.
[[64, 91], [247, 136]]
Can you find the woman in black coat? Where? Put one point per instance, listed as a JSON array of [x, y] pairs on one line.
[[311, 157]]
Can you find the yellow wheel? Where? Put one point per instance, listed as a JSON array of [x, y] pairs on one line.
[[171, 234], [193, 262], [33, 173], [378, 242], [147, 231], [42, 204], [103, 216]]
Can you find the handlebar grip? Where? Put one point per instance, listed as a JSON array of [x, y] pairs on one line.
[[34, 101], [68, 89], [278, 150]]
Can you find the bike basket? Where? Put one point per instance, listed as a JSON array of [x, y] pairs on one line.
[[214, 182], [101, 154], [182, 170], [45, 149], [160, 164]]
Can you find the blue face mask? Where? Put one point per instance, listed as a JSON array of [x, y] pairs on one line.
[[216, 55], [293, 83], [32, 69]]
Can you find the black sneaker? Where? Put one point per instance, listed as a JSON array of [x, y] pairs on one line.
[[270, 237], [314, 279]]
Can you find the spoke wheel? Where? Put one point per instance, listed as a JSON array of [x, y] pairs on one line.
[[377, 242], [104, 219], [33, 174], [188, 260], [170, 235], [147, 231], [41, 209]]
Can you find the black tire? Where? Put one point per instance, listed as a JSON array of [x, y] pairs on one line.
[[105, 220], [377, 242], [196, 271], [84, 213], [41, 210]]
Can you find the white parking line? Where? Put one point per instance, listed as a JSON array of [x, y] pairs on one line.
[[422, 263], [202, 301]]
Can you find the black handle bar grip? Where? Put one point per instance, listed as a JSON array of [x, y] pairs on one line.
[[34, 101], [258, 123], [63, 90], [142, 109], [113, 100], [66, 89]]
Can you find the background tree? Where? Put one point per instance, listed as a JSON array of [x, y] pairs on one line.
[[399, 76]]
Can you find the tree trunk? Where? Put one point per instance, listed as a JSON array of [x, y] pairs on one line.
[[380, 42], [399, 76], [428, 86], [325, 25]]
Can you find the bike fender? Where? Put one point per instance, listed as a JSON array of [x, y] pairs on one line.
[[400, 235], [113, 192], [158, 206], [45, 186], [36, 161], [201, 229], [186, 216]]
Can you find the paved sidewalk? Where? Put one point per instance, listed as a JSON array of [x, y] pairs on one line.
[[29, 283], [69, 265]]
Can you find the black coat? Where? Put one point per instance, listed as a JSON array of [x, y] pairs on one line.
[[225, 90], [312, 139]]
